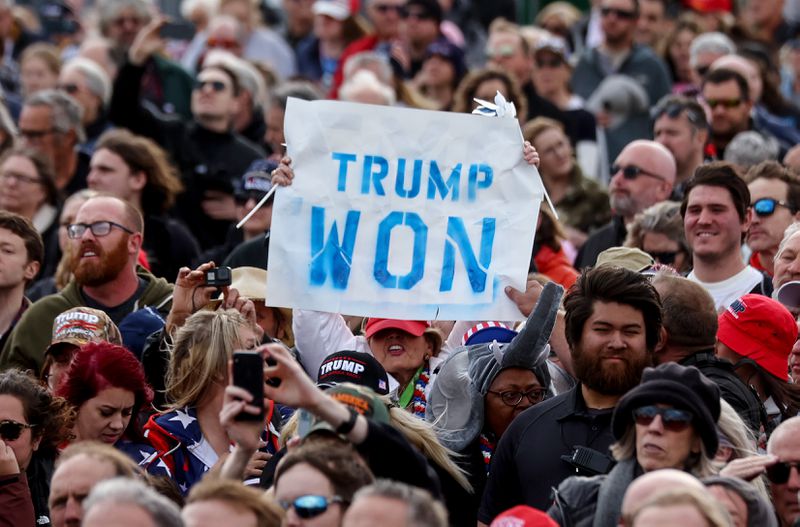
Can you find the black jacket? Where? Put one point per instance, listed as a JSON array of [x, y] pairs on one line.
[[528, 461], [735, 392], [207, 160], [611, 235]]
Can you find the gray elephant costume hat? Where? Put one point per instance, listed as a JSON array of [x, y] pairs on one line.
[[455, 404]]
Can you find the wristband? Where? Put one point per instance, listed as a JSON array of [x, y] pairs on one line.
[[347, 426]]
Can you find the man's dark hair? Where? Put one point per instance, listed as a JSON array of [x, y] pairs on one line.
[[609, 283], [721, 75], [720, 174], [23, 228], [774, 170]]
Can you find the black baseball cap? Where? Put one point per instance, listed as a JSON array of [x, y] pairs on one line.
[[355, 367]]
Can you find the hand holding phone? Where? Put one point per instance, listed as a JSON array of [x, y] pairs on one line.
[[248, 373]]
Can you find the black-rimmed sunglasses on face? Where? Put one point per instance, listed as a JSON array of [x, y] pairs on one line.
[[673, 419], [217, 86], [310, 506], [779, 473], [11, 430], [632, 172], [98, 228], [766, 206]]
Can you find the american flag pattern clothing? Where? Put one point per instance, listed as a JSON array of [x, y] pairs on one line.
[[181, 447]]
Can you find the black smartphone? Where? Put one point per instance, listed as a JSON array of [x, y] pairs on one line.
[[248, 373], [177, 30], [219, 277]]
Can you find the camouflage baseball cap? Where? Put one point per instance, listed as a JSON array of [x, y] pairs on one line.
[[80, 325]]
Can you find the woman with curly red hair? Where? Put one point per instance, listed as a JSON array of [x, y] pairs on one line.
[[105, 383]]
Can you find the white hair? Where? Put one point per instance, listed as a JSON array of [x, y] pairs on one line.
[[788, 234], [162, 511], [378, 62], [97, 80], [714, 42], [211, 7], [366, 80]]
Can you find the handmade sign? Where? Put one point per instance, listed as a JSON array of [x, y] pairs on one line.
[[402, 213]]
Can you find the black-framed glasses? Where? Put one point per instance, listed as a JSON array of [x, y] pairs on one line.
[[619, 13], [310, 505], [766, 207], [69, 87], [673, 419], [673, 109], [11, 430], [664, 257], [98, 228], [725, 103], [514, 397], [779, 472], [632, 172], [217, 86]]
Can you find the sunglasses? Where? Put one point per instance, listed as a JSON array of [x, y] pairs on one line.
[[779, 472], [242, 198], [310, 506], [513, 398], [619, 13], [11, 430], [725, 103], [666, 258], [673, 419], [385, 8], [702, 70], [217, 86], [766, 206], [631, 172]]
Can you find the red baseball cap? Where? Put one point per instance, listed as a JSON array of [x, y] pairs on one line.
[[761, 329], [523, 516], [709, 6], [415, 327]]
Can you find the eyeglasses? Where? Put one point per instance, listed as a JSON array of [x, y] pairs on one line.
[[673, 110], [98, 228], [779, 472], [725, 103], [500, 52], [554, 62], [310, 505], [222, 43], [11, 430], [385, 8], [619, 13], [766, 207], [217, 86], [631, 172], [673, 419], [242, 198], [70, 88], [702, 70], [666, 257], [513, 398], [19, 178]]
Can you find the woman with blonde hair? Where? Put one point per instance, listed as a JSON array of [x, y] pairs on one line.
[[188, 436]]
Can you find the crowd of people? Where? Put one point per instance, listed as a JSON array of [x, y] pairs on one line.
[[654, 381]]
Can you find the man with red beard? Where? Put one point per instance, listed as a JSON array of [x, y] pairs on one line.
[[642, 175], [105, 241], [613, 323]]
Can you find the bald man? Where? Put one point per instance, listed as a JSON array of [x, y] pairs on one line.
[[642, 175], [783, 444], [645, 487]]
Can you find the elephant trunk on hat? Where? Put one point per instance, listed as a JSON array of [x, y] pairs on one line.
[[481, 388]]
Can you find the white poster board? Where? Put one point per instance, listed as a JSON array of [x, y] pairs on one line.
[[401, 213]]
